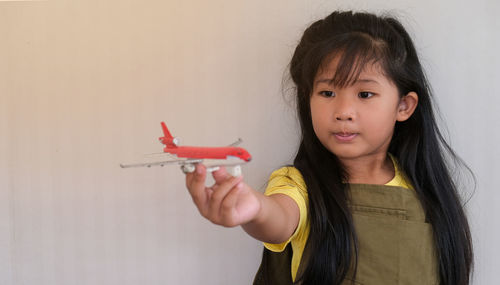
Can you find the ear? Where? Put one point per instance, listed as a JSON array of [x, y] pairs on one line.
[[407, 105]]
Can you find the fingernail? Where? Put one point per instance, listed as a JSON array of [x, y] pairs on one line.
[[199, 170]]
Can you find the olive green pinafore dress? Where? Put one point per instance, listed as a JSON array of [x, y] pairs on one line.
[[396, 245]]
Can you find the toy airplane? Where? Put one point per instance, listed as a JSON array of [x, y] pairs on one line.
[[188, 156]]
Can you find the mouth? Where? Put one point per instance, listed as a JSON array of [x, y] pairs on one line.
[[345, 136]]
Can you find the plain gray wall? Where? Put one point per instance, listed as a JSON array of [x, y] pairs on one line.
[[84, 85]]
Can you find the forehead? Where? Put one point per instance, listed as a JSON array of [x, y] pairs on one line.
[[330, 67]]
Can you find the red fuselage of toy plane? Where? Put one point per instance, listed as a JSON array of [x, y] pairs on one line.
[[200, 152]]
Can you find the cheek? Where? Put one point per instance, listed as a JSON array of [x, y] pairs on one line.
[[319, 116], [316, 123], [380, 126]]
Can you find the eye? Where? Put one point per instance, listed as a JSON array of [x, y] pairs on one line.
[[327, 93], [365, 94]]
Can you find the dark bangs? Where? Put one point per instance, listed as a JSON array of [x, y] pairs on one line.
[[354, 50]]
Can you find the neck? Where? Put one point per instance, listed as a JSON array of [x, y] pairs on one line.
[[372, 169]]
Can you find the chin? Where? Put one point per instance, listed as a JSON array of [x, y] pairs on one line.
[[345, 153]]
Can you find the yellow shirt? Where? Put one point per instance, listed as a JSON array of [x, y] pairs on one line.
[[289, 181]]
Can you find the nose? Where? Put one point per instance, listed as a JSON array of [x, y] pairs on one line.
[[344, 117], [344, 110]]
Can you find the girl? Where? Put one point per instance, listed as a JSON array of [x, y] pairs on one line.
[[369, 198]]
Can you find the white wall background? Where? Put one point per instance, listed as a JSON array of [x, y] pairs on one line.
[[85, 83]]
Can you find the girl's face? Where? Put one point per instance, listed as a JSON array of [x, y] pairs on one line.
[[357, 120]]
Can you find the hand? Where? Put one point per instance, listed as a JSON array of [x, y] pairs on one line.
[[229, 202]]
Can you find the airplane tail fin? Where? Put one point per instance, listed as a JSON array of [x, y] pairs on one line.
[[167, 139]]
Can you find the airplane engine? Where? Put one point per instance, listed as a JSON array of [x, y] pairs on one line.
[[170, 142]]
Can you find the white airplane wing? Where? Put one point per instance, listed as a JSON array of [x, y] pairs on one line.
[[161, 163]]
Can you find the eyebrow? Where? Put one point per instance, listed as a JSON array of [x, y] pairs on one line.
[[360, 80], [367, 80]]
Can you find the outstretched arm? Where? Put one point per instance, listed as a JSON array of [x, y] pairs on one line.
[[230, 202]]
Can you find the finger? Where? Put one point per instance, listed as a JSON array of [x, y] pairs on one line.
[[220, 175], [195, 183], [218, 195], [195, 176], [227, 209]]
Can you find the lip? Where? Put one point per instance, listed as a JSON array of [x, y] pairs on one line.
[[345, 137]]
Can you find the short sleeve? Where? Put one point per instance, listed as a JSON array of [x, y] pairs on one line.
[[289, 181]]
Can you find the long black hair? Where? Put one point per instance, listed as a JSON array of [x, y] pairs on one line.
[[417, 143]]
